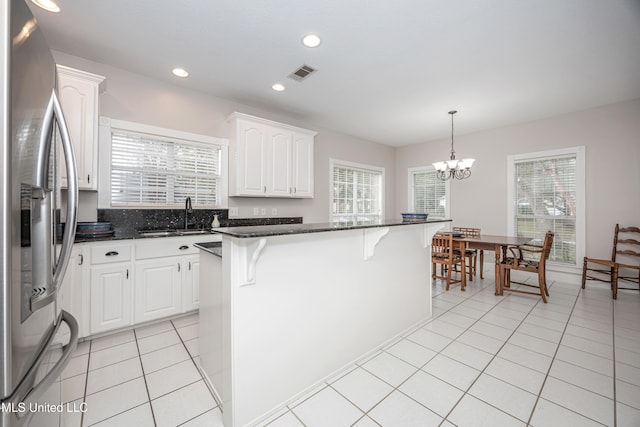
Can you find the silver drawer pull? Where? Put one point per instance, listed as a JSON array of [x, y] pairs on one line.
[[183, 247], [111, 253]]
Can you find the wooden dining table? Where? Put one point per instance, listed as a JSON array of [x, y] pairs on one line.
[[496, 243]]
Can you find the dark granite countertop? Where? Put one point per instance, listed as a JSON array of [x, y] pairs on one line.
[[126, 235], [289, 229], [127, 222], [214, 248]]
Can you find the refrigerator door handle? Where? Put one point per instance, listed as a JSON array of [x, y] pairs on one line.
[[72, 194], [33, 393], [54, 111]]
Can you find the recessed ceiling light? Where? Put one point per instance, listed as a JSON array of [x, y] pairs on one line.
[[180, 72], [48, 5], [311, 40], [278, 87]]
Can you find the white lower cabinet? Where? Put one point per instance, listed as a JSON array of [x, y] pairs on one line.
[[70, 294], [191, 286], [158, 289], [110, 297], [111, 285]]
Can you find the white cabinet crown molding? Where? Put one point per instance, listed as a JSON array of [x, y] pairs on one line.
[[100, 81], [237, 115]]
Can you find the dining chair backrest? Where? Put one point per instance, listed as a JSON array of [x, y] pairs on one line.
[[472, 254], [626, 246], [441, 248], [624, 265], [467, 231], [626, 243], [546, 246], [442, 254], [534, 263]]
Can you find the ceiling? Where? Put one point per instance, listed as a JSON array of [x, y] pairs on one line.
[[388, 71]]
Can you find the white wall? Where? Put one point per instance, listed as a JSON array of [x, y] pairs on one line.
[[611, 135], [136, 98]]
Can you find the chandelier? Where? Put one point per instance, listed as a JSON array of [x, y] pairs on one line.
[[452, 168]]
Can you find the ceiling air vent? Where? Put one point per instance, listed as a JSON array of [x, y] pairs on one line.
[[302, 73]]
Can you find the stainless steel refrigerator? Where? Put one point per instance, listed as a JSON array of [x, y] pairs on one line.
[[32, 261]]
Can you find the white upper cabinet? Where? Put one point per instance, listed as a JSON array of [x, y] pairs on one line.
[[78, 92], [302, 165], [270, 159]]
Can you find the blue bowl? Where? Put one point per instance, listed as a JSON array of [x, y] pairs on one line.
[[415, 216]]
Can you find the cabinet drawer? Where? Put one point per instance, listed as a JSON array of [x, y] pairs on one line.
[[110, 253], [174, 247]]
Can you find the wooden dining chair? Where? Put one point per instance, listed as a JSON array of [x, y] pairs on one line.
[[516, 261], [625, 259], [472, 254], [443, 255]]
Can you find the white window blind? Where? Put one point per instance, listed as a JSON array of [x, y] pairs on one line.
[[357, 193], [149, 170], [546, 199], [429, 194]]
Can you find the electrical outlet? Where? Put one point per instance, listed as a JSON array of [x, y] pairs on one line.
[[274, 211], [263, 211], [233, 212], [256, 211]]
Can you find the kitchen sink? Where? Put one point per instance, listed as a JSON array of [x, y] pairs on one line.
[[174, 232], [190, 232]]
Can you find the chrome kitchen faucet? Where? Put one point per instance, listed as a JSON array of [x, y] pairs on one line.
[[187, 210]]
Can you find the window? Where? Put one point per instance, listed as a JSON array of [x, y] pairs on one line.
[[546, 192], [427, 193], [356, 192], [153, 167]]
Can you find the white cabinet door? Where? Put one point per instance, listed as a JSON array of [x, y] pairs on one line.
[[302, 161], [251, 153], [278, 170], [70, 293], [78, 92], [157, 289], [191, 283], [111, 297]]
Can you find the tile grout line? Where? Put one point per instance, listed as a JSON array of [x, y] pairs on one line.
[[144, 374], [554, 358], [568, 316], [533, 409], [466, 392], [467, 298], [218, 404], [144, 378], [358, 365], [86, 382]]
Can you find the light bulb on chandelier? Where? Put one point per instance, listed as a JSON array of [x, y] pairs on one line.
[[453, 168]]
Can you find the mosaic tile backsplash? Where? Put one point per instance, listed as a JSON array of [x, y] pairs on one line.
[[130, 220]]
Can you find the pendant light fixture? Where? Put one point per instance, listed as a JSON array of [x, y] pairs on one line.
[[452, 168]]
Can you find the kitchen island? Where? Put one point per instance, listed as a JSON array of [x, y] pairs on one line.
[[283, 308]]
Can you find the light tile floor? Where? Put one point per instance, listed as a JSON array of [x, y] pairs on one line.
[[142, 377], [481, 360]]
